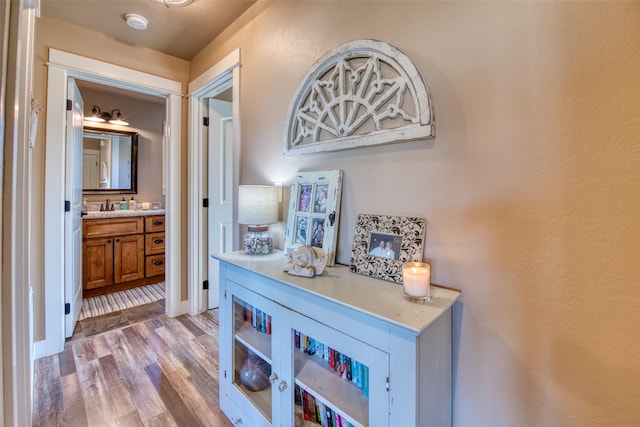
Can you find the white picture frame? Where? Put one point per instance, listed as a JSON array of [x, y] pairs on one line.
[[314, 211]]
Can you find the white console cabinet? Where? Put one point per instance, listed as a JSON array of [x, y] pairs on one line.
[[339, 349]]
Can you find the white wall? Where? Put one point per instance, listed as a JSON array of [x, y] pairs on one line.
[[529, 188]]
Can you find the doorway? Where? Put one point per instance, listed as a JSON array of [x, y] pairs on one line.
[[61, 66], [214, 164]]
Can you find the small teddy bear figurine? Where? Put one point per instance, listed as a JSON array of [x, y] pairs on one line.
[[306, 261]]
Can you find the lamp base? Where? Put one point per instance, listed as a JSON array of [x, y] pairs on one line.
[[257, 241]]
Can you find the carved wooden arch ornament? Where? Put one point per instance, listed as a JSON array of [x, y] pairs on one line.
[[361, 93]]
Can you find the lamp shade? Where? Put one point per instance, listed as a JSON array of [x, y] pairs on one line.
[[258, 204]]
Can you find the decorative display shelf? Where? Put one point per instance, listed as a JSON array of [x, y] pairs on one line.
[[405, 347]]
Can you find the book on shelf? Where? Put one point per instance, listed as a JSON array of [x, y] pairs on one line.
[[315, 411], [348, 368]]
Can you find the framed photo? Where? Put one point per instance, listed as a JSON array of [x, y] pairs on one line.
[[314, 211], [383, 243]]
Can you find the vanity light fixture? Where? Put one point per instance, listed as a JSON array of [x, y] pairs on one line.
[[173, 3], [95, 115], [115, 118]]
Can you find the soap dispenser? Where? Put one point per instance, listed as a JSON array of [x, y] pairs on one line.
[[132, 204], [123, 204]]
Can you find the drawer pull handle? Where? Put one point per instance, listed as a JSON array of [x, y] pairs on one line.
[[158, 262], [158, 241], [158, 222]]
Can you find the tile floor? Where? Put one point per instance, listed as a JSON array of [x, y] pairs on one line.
[[118, 319]]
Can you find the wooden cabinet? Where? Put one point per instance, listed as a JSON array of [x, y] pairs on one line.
[[154, 245], [340, 346], [113, 251], [97, 262], [119, 253]]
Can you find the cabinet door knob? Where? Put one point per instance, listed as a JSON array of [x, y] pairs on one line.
[[158, 262], [273, 378], [282, 386]]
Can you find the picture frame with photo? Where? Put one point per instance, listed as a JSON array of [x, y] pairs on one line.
[[382, 243], [314, 211]]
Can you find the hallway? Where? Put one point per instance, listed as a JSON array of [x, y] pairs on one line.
[[157, 371]]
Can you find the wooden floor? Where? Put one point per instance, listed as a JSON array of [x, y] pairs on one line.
[[146, 370]]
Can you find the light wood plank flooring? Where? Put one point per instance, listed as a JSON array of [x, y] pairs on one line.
[[146, 370]]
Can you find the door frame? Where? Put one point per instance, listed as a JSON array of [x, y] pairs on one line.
[[200, 89], [60, 66]]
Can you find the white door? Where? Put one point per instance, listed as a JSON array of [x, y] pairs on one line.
[[73, 217], [220, 172], [90, 160]]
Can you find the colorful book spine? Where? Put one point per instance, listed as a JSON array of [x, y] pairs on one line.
[[365, 381]]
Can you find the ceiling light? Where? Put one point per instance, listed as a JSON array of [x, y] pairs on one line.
[[173, 3], [137, 22]]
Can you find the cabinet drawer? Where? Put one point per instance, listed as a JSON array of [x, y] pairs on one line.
[[112, 227], [154, 223], [154, 243], [154, 265]]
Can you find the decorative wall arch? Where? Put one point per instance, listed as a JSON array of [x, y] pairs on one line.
[[361, 93]]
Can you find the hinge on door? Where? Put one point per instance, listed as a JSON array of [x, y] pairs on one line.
[[387, 384], [225, 293], [205, 285], [69, 105], [225, 373], [67, 206], [205, 203], [67, 308], [205, 121]]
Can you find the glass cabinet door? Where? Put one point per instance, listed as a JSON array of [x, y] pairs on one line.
[[252, 354], [338, 380], [253, 373]]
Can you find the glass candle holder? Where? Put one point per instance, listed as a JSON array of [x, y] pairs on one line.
[[416, 281]]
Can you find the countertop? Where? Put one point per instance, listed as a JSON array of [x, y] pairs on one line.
[[375, 297], [118, 213]]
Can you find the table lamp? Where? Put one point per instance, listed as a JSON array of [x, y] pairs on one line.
[[257, 207]]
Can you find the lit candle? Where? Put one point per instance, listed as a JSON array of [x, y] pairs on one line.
[[416, 279]]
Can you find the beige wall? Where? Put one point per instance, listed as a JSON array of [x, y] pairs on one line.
[[530, 187], [51, 33]]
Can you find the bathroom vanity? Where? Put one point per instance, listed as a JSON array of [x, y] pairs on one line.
[[122, 250]]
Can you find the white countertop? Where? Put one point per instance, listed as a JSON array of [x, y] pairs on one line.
[[119, 213], [375, 297]]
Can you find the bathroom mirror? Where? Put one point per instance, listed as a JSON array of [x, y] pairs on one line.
[[109, 161]]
